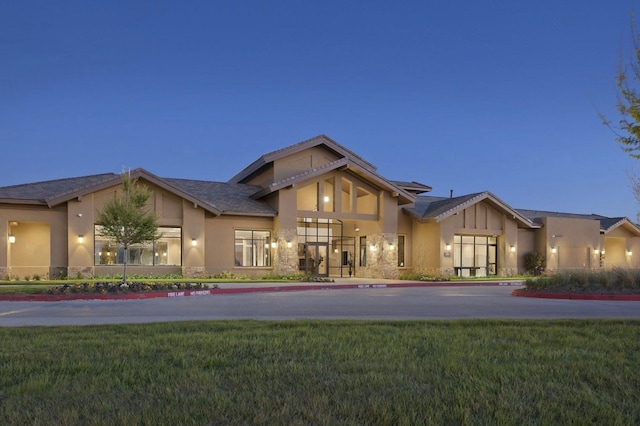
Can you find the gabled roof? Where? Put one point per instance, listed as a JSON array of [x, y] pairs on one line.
[[329, 143], [215, 197], [46, 192], [437, 209], [607, 224], [341, 164]]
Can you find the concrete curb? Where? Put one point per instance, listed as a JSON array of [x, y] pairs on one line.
[[576, 296], [240, 290]]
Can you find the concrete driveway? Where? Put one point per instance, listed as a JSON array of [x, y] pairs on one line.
[[366, 303]]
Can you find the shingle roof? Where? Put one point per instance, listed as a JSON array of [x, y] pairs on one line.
[[431, 207], [42, 192], [413, 187], [439, 208], [606, 223], [228, 197], [300, 146], [223, 197]]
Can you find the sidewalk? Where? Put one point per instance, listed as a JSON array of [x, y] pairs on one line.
[[257, 287]]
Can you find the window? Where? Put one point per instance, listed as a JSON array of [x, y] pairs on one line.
[[401, 250], [328, 202], [166, 250], [252, 248], [363, 251], [474, 256]]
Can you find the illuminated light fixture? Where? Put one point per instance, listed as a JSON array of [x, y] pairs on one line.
[[629, 252], [596, 251], [194, 242], [81, 239], [553, 250], [274, 244], [513, 249], [326, 198], [12, 238], [289, 244], [391, 246], [602, 252], [447, 247], [372, 247]]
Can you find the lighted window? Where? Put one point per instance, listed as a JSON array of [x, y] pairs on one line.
[[363, 251], [328, 201], [307, 198], [252, 248], [401, 251], [166, 250]]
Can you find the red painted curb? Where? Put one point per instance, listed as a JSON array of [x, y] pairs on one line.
[[575, 296], [237, 290]]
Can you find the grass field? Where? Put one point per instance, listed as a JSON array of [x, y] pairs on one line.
[[313, 372]]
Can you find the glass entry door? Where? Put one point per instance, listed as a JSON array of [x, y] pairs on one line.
[[316, 260]]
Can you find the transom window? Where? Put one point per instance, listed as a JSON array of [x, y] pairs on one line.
[[166, 250], [252, 248]]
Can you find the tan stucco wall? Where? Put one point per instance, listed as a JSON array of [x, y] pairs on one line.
[[526, 244], [618, 243], [575, 241], [220, 248], [39, 232], [301, 162]]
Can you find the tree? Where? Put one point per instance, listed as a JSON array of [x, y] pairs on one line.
[[628, 103], [126, 219]]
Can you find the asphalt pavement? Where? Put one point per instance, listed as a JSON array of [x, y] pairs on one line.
[[343, 299]]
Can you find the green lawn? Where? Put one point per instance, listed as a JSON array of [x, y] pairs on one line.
[[315, 372]]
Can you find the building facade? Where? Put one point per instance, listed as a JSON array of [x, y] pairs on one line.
[[315, 208]]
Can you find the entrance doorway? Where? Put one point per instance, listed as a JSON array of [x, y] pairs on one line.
[[323, 249], [315, 259]]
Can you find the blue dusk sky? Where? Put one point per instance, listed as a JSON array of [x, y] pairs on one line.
[[494, 95]]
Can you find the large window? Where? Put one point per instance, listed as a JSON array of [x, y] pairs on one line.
[[166, 250], [474, 256], [401, 251], [363, 251], [252, 248]]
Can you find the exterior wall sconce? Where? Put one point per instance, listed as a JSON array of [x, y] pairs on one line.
[[554, 250], [596, 251], [326, 198], [513, 249], [194, 242], [629, 252], [289, 244], [602, 252], [372, 247], [447, 247], [12, 238], [391, 246], [274, 244], [80, 239]]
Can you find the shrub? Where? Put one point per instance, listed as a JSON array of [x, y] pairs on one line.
[[533, 262]]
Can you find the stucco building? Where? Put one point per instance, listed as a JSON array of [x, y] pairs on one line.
[[314, 207]]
